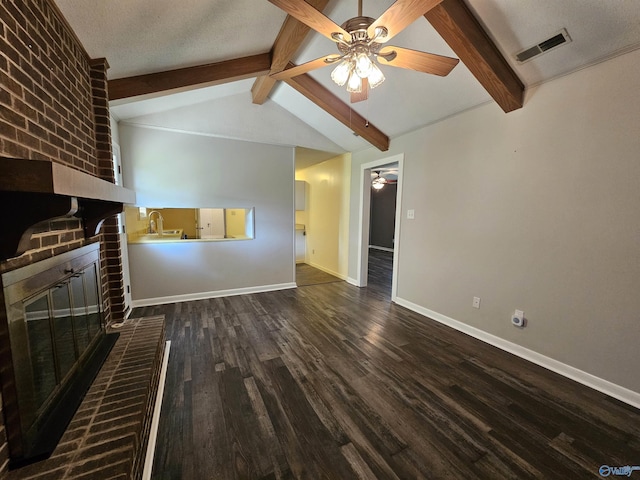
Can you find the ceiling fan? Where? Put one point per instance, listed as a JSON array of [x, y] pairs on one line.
[[362, 39], [379, 181]]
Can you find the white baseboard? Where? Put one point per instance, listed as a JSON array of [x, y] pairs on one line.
[[188, 297], [326, 270], [352, 281], [613, 390], [155, 419]]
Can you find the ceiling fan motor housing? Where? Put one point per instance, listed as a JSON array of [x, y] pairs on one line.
[[357, 28]]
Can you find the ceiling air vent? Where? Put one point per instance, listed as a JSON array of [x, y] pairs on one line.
[[555, 41]]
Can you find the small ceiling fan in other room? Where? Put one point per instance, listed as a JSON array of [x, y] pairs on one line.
[[361, 40], [378, 181]]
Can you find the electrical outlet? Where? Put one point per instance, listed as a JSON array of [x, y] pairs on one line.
[[411, 214], [476, 302], [518, 319]]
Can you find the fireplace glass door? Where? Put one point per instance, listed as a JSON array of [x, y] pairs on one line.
[[63, 332], [43, 369], [61, 323]]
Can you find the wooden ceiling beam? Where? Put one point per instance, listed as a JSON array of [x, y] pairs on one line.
[[341, 111], [287, 43], [211, 74], [457, 25]]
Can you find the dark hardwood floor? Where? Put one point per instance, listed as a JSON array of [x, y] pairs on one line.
[[307, 275], [380, 267], [332, 381]]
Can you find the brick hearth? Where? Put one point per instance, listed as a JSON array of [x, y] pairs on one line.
[[108, 436]]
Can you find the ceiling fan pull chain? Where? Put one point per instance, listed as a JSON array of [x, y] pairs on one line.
[[367, 108], [367, 104]]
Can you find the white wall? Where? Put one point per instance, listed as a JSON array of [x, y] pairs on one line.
[[535, 210], [169, 169]]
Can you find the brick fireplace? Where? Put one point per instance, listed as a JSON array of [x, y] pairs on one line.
[[54, 108]]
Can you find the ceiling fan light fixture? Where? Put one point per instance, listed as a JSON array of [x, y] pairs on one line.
[[357, 63], [356, 66], [341, 73], [379, 181], [375, 76], [354, 85], [364, 64]]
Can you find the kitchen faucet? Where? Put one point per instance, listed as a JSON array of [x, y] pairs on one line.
[[153, 226]]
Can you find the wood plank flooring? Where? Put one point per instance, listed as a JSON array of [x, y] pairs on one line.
[[307, 275], [380, 270], [334, 382]]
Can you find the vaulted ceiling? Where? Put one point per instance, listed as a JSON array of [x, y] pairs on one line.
[[203, 66]]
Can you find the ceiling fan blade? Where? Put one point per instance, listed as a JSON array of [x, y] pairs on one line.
[[305, 67], [363, 95], [418, 61], [399, 16], [302, 11]]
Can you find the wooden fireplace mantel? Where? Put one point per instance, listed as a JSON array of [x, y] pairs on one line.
[[33, 191]]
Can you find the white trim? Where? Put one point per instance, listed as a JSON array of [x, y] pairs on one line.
[[362, 215], [396, 234], [188, 297], [363, 219], [352, 281], [155, 420], [327, 270], [613, 390]]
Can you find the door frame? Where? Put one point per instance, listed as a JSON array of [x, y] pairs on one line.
[[364, 220]]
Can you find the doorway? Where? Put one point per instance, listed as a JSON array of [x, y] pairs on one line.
[[382, 220], [365, 219]]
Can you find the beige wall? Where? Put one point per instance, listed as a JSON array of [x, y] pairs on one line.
[[535, 210], [235, 221], [326, 216]]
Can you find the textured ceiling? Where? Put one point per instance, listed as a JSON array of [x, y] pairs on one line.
[[145, 36]]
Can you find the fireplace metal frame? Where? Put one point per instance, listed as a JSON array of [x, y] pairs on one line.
[[34, 427]]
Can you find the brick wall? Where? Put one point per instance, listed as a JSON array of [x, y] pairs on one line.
[[110, 249], [46, 90], [54, 106], [45, 106]]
